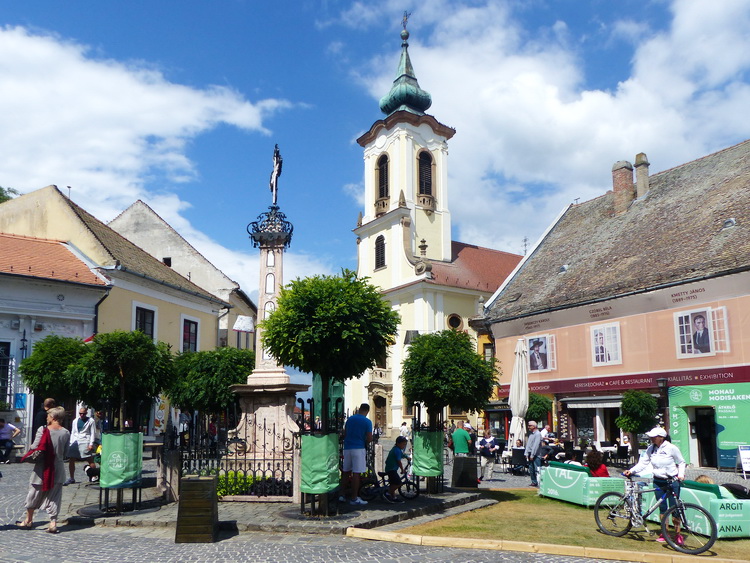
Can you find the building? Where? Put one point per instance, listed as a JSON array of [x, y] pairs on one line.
[[404, 239], [142, 293], [646, 287], [46, 287], [145, 228]]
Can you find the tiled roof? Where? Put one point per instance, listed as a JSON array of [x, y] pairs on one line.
[[473, 267], [134, 259], [674, 234], [41, 258]]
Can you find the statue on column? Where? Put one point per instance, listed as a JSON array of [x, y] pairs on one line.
[[277, 162]]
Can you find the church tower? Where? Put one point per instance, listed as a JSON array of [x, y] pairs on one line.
[[406, 220]]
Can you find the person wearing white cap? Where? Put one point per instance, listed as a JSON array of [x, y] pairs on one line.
[[667, 462]]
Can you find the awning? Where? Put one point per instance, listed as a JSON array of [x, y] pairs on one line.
[[244, 323], [612, 402]]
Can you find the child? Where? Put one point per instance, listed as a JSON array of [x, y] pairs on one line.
[[392, 465]]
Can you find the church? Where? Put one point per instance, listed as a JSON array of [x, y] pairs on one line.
[[404, 242]]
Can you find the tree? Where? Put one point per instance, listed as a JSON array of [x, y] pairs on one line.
[[539, 407], [7, 193], [122, 368], [444, 369], [335, 326], [202, 379], [637, 413], [44, 372]]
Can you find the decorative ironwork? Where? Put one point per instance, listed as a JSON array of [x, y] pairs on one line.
[[257, 462], [271, 229]]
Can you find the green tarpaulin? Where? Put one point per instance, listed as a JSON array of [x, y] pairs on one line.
[[428, 454], [122, 460], [319, 463]]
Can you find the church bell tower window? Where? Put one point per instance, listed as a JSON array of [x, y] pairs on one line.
[[380, 252], [426, 198], [383, 199]]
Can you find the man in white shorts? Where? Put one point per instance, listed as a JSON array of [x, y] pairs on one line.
[[357, 434]]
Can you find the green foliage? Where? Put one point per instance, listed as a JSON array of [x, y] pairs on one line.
[[638, 412], [539, 407], [122, 366], [44, 372], [202, 379], [7, 193], [444, 369], [234, 483], [4, 406], [336, 326]]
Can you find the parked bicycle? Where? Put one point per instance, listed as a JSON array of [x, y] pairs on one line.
[[378, 487], [687, 528]]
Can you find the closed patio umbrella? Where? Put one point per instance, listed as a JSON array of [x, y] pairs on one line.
[[519, 392]]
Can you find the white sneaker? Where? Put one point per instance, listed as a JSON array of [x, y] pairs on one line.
[[357, 501]]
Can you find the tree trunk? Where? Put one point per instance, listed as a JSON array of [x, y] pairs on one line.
[[122, 400]]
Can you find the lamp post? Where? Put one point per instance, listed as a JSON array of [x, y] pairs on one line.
[[663, 384]]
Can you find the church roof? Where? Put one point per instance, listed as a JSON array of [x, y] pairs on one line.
[[473, 267], [405, 94], [44, 259], [692, 224]]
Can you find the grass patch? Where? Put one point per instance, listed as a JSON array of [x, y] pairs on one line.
[[522, 515]]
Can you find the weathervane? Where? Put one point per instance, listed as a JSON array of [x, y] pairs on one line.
[[405, 19], [274, 182]]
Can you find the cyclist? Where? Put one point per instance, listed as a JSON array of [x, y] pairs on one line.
[[393, 463], [667, 462]]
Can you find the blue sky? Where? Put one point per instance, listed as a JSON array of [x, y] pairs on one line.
[[179, 103]]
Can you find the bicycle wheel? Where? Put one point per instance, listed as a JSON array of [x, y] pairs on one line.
[[369, 489], [697, 528], [409, 489], [612, 513]]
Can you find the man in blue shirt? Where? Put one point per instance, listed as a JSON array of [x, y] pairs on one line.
[[357, 434]]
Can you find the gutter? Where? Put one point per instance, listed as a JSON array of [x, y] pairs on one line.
[[96, 311]]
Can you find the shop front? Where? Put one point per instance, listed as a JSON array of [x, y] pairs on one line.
[[709, 422]]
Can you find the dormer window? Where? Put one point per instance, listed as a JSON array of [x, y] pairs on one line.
[[383, 199], [380, 252]]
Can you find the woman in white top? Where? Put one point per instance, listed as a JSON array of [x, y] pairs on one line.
[[667, 462]]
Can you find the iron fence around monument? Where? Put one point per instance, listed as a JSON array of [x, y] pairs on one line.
[[255, 459]]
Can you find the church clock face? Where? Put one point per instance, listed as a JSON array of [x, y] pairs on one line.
[[380, 141]]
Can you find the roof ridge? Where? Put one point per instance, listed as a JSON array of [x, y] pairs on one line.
[[713, 154], [52, 240]]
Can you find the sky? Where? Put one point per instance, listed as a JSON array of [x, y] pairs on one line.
[[179, 103]]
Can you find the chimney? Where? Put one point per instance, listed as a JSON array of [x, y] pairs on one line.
[[641, 174], [622, 185]]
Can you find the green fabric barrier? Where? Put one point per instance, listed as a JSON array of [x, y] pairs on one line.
[[122, 460], [319, 463], [573, 483], [427, 449]]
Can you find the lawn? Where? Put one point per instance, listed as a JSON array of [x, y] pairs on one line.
[[522, 515]]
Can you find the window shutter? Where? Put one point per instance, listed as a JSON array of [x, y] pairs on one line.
[[720, 330]]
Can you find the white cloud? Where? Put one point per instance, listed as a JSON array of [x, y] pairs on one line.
[[531, 137], [106, 128]]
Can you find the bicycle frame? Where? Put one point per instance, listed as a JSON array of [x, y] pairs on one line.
[[636, 493]]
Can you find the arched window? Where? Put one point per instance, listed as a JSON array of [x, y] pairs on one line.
[[425, 173], [383, 177], [380, 252], [270, 283]]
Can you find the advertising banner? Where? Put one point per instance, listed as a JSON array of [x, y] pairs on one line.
[[731, 404], [122, 460], [319, 463], [428, 453]]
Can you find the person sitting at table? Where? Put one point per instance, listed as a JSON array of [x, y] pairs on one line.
[[570, 458], [595, 463], [551, 451]]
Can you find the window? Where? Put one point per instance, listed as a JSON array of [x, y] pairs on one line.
[[189, 336], [383, 190], [455, 321], [380, 252], [167, 261], [382, 360], [408, 408], [488, 352], [701, 332], [605, 344], [425, 173], [542, 353], [6, 372], [144, 321]]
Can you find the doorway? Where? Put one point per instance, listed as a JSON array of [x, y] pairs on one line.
[[380, 413], [705, 434]]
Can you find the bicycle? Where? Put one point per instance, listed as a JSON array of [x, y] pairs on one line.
[[616, 514], [372, 487]]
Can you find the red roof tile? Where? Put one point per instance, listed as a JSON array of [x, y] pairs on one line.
[[474, 267], [41, 258]]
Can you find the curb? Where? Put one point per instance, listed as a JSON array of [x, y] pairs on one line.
[[507, 545]]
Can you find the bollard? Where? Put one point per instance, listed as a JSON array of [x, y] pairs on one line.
[[197, 510]]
